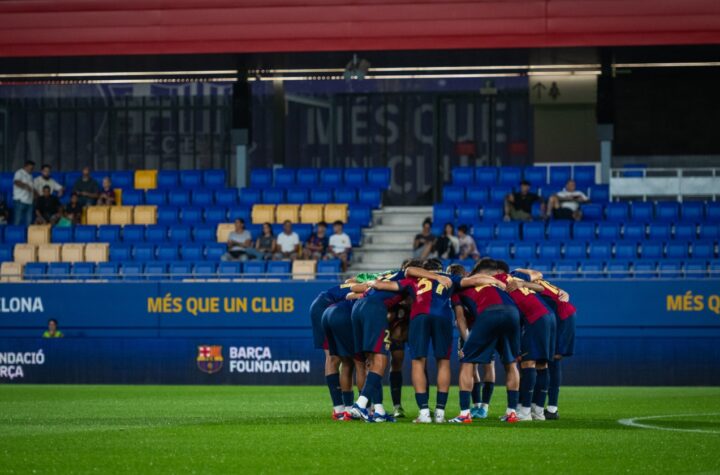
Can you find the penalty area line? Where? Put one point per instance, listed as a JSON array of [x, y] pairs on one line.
[[633, 422]]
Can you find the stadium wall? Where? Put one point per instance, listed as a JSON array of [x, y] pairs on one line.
[[629, 333]]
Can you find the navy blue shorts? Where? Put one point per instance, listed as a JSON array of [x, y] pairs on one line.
[[426, 328], [370, 327], [317, 308], [566, 336], [538, 339], [397, 345], [497, 328], [337, 323]]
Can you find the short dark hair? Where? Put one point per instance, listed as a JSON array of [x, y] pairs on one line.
[[456, 269], [411, 263], [502, 265], [240, 219], [322, 223], [287, 221], [338, 222], [74, 193], [525, 182], [52, 320], [427, 221], [29, 162], [463, 228], [433, 264], [46, 187], [44, 166], [484, 264]]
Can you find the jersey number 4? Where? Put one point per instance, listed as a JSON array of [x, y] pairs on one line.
[[425, 285]]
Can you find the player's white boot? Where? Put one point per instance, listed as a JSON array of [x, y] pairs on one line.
[[440, 416], [423, 417], [537, 413], [524, 414]]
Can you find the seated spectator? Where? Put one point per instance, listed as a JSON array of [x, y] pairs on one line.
[[107, 194], [288, 243], [47, 208], [240, 244], [565, 204], [86, 188], [265, 244], [423, 243], [468, 249], [4, 211], [52, 330], [447, 246], [317, 243], [44, 180], [65, 220], [73, 211], [518, 206], [339, 246]]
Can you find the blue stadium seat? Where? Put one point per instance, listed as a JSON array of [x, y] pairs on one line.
[[641, 211], [156, 270], [181, 270], [284, 177], [443, 213], [703, 250], [99, 175], [676, 250], [468, 214], [272, 196], [499, 251], [124, 180], [250, 196], [600, 193], [261, 178], [107, 270], [493, 212], [2, 233], [651, 250], [354, 232], [345, 195], [626, 250], [85, 233], [559, 175], [584, 175], [567, 269], [278, 269], [668, 269], [594, 269], [616, 211], [484, 232], [634, 231], [192, 215], [214, 178], [6, 252], [6, 181], [526, 251], [166, 252], [549, 251], [475, 195], [15, 234], [331, 177], [486, 176], [600, 250], [645, 269], [463, 176], [297, 195], [608, 231], [692, 211], [192, 251], [180, 233], [214, 251], [618, 269], [453, 194], [592, 212], [120, 252], [83, 270], [108, 233], [354, 177], [226, 196], [379, 177], [205, 270], [255, 268], [191, 179], [307, 177], [179, 198], [156, 233], [667, 211], [537, 176], [533, 231], [685, 231], [659, 232], [509, 176], [714, 269], [144, 252], [133, 270], [360, 215], [61, 235], [229, 269], [156, 197], [584, 231], [499, 193], [696, 269], [168, 179], [70, 179], [35, 271], [558, 230], [328, 270], [168, 215], [370, 197], [712, 211], [321, 195], [204, 233], [201, 197], [547, 268], [509, 231], [133, 197], [707, 231], [58, 270], [239, 213], [215, 215]]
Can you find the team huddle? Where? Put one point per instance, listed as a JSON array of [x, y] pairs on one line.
[[368, 321]]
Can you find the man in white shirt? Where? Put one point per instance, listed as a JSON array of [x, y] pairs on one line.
[[44, 180], [23, 195], [288, 243], [339, 246], [565, 204]]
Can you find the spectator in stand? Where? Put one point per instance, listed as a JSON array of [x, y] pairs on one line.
[[52, 330], [423, 243], [265, 243], [468, 249], [86, 188], [566, 203], [23, 195], [4, 211], [240, 244], [317, 243], [107, 194], [518, 205], [44, 180], [447, 246], [73, 211], [65, 220], [288, 243], [340, 245], [47, 208]]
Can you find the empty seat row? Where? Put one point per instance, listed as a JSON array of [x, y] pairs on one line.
[[121, 215], [308, 213], [538, 176], [547, 251], [458, 194], [70, 252], [367, 196], [180, 197], [310, 177]]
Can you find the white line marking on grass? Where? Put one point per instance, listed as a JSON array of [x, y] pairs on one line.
[[633, 423]]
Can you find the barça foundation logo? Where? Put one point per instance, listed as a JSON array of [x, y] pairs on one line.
[[210, 359]]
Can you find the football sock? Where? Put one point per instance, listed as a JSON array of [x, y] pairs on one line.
[[396, 387], [464, 400], [333, 384], [369, 391], [422, 400], [527, 385], [487, 392], [441, 400], [554, 386], [476, 393], [512, 399], [378, 398], [541, 388], [379, 409], [348, 398]]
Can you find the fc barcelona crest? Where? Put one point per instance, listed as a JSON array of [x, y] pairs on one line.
[[209, 359]]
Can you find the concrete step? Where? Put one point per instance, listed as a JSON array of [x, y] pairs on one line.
[[379, 247], [406, 209], [398, 219], [389, 238], [384, 229]]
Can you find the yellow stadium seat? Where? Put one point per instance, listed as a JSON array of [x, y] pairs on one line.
[[263, 214], [73, 253], [11, 272], [223, 232], [287, 213], [38, 234], [311, 214], [121, 215], [145, 214], [145, 179], [48, 252], [97, 215], [24, 253], [336, 212], [303, 270], [118, 196], [97, 252]]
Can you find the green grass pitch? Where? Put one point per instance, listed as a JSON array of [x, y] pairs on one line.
[[234, 429]]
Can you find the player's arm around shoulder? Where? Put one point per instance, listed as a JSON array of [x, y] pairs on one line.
[[480, 279], [419, 273], [384, 285]]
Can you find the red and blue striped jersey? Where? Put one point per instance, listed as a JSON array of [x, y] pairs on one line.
[[432, 298], [338, 293], [388, 298], [477, 299], [528, 302], [564, 309]]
